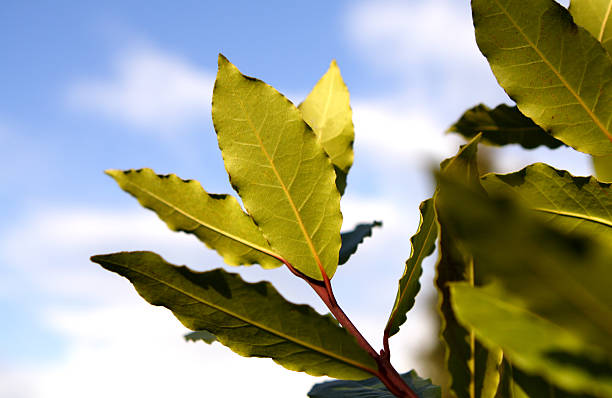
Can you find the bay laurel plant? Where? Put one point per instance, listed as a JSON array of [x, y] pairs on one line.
[[524, 270]]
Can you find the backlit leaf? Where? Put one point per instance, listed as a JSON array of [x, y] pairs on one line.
[[596, 17], [423, 244], [277, 166], [252, 319], [532, 343], [573, 204], [603, 167], [558, 74], [352, 239], [373, 388], [502, 126], [217, 220], [327, 111]]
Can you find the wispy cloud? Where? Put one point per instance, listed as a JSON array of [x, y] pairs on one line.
[[413, 32], [428, 46], [148, 88], [400, 137]]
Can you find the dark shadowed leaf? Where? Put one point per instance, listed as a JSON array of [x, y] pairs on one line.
[[217, 220], [201, 335], [564, 278], [534, 386], [252, 319], [502, 126], [328, 111], [472, 367], [279, 169], [423, 244], [352, 239], [373, 388], [557, 73]]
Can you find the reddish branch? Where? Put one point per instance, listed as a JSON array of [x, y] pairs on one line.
[[386, 372]]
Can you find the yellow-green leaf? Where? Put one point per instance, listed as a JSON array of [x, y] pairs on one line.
[[603, 167], [573, 204], [217, 220], [596, 17], [279, 169], [558, 74], [252, 319], [327, 111]]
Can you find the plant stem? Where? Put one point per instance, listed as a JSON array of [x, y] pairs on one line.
[[386, 372]]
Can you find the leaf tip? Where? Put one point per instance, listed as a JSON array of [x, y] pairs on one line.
[[222, 60], [112, 172]]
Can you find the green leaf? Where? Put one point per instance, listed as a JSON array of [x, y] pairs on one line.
[[557, 73], [327, 111], [596, 17], [252, 319], [473, 368], [373, 388], [277, 166], [352, 239], [573, 204], [603, 167], [201, 335], [217, 220], [423, 244], [502, 126], [564, 278], [532, 343]]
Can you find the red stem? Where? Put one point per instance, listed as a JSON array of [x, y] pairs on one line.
[[386, 372]]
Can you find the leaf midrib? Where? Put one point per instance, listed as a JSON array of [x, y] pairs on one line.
[[328, 100], [570, 214], [248, 321], [605, 21], [283, 187], [559, 76], [204, 224]]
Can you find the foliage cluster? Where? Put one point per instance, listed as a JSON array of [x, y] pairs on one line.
[[524, 272]]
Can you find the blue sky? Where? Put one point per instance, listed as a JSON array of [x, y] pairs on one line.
[[88, 86]]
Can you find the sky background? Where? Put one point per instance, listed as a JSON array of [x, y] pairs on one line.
[[87, 86]]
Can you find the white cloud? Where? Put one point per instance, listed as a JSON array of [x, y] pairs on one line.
[[136, 350], [148, 88], [395, 137], [413, 32], [51, 248], [428, 47]]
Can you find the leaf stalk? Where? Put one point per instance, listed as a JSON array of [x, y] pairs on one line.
[[386, 372]]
